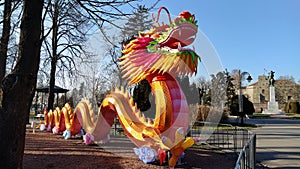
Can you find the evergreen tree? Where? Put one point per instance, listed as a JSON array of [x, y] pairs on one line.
[[230, 92], [139, 21], [248, 107], [190, 91]]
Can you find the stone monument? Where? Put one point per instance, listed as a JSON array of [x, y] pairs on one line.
[[272, 104]]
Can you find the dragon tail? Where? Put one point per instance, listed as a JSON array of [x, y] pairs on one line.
[[117, 104]]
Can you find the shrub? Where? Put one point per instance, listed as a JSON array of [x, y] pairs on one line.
[[203, 112], [292, 107], [248, 107]]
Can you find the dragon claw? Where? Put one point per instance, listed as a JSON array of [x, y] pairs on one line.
[[67, 134], [178, 146], [88, 138]]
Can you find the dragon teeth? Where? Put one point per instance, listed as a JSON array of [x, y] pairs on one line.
[[179, 46], [149, 121], [143, 118], [138, 114], [117, 90], [131, 101], [134, 108], [127, 94]]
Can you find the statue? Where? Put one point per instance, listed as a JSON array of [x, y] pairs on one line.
[[271, 78], [272, 103]]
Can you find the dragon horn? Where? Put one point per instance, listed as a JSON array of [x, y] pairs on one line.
[[158, 14]]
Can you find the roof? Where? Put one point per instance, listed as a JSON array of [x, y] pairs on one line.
[[254, 84], [56, 89], [284, 81]]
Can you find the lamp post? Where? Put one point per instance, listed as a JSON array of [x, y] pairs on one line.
[[201, 91], [240, 77]]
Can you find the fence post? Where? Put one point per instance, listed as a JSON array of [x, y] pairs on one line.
[[253, 159]]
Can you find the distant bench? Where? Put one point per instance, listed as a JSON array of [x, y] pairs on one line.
[[39, 117]]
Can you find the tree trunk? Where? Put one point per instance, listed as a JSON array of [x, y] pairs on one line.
[[19, 87], [51, 85], [54, 56], [4, 41]]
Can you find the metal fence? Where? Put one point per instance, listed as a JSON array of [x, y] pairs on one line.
[[246, 158], [226, 136]]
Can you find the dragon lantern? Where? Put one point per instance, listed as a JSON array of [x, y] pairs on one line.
[[158, 56]]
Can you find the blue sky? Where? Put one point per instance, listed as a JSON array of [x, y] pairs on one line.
[[251, 35]]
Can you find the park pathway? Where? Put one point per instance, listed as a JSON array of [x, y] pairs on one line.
[[278, 143]]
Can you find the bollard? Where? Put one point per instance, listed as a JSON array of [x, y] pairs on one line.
[[33, 125]]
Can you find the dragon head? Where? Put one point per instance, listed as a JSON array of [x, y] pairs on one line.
[[162, 49], [180, 33]]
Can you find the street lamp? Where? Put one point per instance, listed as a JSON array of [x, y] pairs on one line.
[[241, 76], [201, 91]]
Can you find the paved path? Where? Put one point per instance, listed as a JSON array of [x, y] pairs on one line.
[[278, 143]]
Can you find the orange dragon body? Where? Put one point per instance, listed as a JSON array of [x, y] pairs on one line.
[[62, 121], [157, 56]]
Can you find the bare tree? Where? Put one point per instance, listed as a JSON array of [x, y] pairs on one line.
[[139, 21], [286, 77], [9, 7], [19, 87], [106, 74], [203, 87], [218, 96], [68, 34], [5, 37], [108, 12], [70, 21], [89, 74]]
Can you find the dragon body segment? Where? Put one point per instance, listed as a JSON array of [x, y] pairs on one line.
[[59, 120], [62, 120], [73, 125]]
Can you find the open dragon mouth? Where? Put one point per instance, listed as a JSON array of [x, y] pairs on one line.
[[180, 36], [173, 42]]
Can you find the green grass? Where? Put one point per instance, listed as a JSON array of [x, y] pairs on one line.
[[260, 115], [216, 127], [295, 116], [210, 148], [248, 127]]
